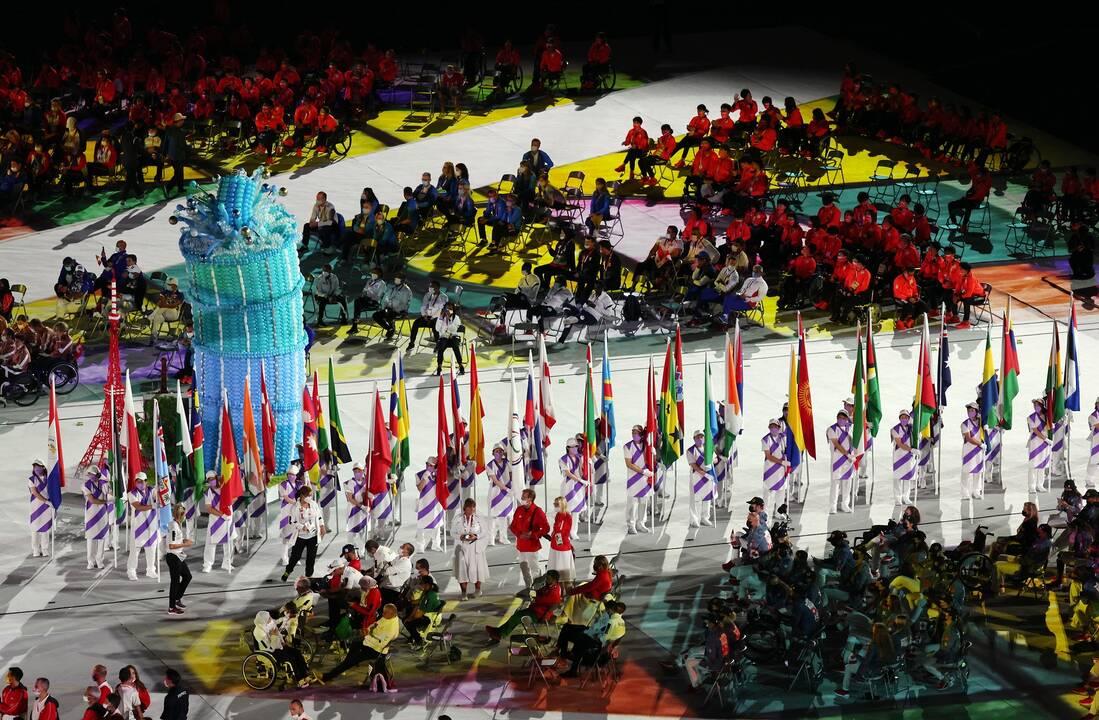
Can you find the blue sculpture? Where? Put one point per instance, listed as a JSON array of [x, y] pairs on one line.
[[240, 246]]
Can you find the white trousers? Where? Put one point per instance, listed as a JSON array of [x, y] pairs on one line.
[[972, 485], [1093, 475], [427, 539], [840, 493], [599, 493], [530, 566], [1037, 479], [500, 531], [209, 554], [902, 491], [96, 550], [40, 543], [636, 510], [150, 559], [700, 511]]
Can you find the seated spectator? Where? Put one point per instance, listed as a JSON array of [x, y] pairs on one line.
[[547, 198], [74, 173], [551, 64], [746, 106], [461, 211], [326, 129], [583, 645], [660, 261], [659, 153], [408, 214], [305, 125], [792, 137], [15, 357], [430, 309], [600, 205], [537, 159], [906, 296], [598, 63], [152, 152], [361, 231], [979, 187], [525, 295], [385, 237], [326, 290], [701, 291], [855, 288], [38, 165], [371, 298], [267, 638], [562, 264], [968, 292], [802, 269], [636, 144], [104, 156], [322, 221], [505, 69], [452, 84], [373, 649], [12, 182], [427, 604], [598, 307], [547, 598], [702, 168], [269, 123], [751, 293], [448, 328], [168, 306], [610, 266], [697, 129], [425, 193], [396, 304], [365, 608], [1081, 247], [554, 304]]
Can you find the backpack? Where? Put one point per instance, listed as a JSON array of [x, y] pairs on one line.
[[633, 308]]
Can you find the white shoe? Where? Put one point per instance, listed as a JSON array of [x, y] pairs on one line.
[[631, 530], [91, 566], [206, 568], [228, 568], [642, 528], [707, 522], [846, 509], [131, 576], [154, 576]]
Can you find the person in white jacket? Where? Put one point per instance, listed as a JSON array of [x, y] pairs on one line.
[[598, 308]]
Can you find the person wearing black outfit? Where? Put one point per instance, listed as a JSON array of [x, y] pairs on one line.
[[177, 563], [176, 700], [173, 149], [563, 260], [588, 267], [610, 267], [132, 151]]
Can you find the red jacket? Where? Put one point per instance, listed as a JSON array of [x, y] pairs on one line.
[[764, 139], [507, 57], [905, 288], [969, 287], [595, 588], [857, 280], [13, 700], [666, 145], [546, 601], [530, 520], [599, 52], [368, 610], [829, 216], [305, 115], [722, 128], [698, 126], [747, 108], [803, 267], [703, 164], [552, 61], [637, 138], [561, 537], [908, 256]]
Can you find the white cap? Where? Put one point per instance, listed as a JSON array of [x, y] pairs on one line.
[[849, 401], [294, 469], [774, 421], [845, 414], [973, 406], [904, 413], [357, 466], [211, 474], [699, 433], [92, 470], [432, 460], [572, 442], [141, 476], [38, 462], [499, 446]]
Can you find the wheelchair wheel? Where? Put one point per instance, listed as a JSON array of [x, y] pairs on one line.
[[260, 670], [1019, 155], [308, 649], [342, 144], [66, 377], [515, 84], [22, 390], [976, 571], [608, 80]]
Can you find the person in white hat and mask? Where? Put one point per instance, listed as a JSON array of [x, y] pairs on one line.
[[639, 480], [843, 463], [219, 531], [1093, 440], [1038, 448], [905, 458], [864, 465], [702, 482], [574, 487], [144, 528], [41, 510], [776, 468], [288, 493], [501, 496], [358, 508], [98, 515], [973, 454], [429, 513]]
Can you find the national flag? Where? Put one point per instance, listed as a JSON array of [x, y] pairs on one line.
[[321, 425], [709, 423], [251, 466], [1072, 364], [990, 387], [650, 421], [535, 449], [380, 460], [398, 416], [607, 431], [945, 380], [873, 391], [459, 425], [185, 476], [160, 469], [231, 485], [128, 439], [476, 414], [545, 395], [805, 397], [267, 424], [795, 439], [679, 378], [337, 441], [670, 431], [198, 440], [514, 450], [590, 439], [310, 457], [858, 395], [1055, 389], [734, 380], [114, 472], [55, 458], [1009, 373], [442, 442], [924, 403]]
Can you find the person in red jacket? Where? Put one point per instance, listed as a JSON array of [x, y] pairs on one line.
[[907, 255], [856, 288], [968, 292], [792, 137], [551, 64], [660, 153], [451, 85], [305, 123], [803, 269], [599, 585], [979, 187], [701, 168], [14, 696], [722, 128], [369, 604], [636, 144], [748, 110], [829, 212], [75, 172], [764, 138], [387, 68], [547, 599], [599, 61], [269, 123], [529, 525], [906, 296], [105, 90], [326, 129], [697, 129]]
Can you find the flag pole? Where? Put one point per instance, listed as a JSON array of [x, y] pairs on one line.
[[941, 398]]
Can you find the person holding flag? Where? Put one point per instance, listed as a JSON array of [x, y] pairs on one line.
[[1093, 457], [185, 472], [904, 459], [97, 514], [429, 512], [702, 479], [328, 486], [501, 495], [639, 477], [605, 431], [41, 510], [531, 434], [381, 462], [357, 513], [220, 530], [1038, 448], [732, 416], [288, 492], [775, 465], [973, 454], [145, 532], [988, 399], [842, 463], [574, 485]]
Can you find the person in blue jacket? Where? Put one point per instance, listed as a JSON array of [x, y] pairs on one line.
[[600, 205], [537, 158]]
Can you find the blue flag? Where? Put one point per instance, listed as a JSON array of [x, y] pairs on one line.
[[944, 367], [606, 419], [160, 467]]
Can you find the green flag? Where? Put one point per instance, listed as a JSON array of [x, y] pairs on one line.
[[858, 394], [671, 435], [873, 393], [337, 441], [709, 426]]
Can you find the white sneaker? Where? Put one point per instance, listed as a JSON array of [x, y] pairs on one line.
[[206, 568], [642, 528], [131, 576], [846, 509], [707, 522], [91, 566], [154, 575], [631, 530]]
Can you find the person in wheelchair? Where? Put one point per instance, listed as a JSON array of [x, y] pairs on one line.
[[599, 61], [268, 638], [854, 290], [15, 358], [505, 69], [795, 289], [545, 600], [582, 645]]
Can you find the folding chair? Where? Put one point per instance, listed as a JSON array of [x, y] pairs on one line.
[[881, 182], [21, 302], [927, 194], [831, 169], [611, 226], [439, 637], [605, 668], [507, 183], [983, 311], [539, 662]]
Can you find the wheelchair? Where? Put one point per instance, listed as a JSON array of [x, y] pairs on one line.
[[261, 669]]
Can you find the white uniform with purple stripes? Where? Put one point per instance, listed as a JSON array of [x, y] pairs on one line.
[[219, 532], [327, 496], [287, 490], [1038, 451], [355, 492], [468, 474], [973, 460], [454, 474], [842, 467], [600, 475], [575, 492], [97, 518], [638, 485], [429, 514], [1058, 463], [904, 463], [994, 446], [382, 504], [501, 500], [41, 515], [775, 476], [702, 487], [240, 523], [1093, 442], [257, 511], [144, 533]]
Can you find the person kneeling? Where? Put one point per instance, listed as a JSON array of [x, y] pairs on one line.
[[373, 649]]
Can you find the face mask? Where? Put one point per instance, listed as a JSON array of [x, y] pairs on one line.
[[637, 437], [775, 432], [534, 148], [905, 421], [398, 282], [699, 442], [844, 422], [972, 414], [573, 451], [376, 278]]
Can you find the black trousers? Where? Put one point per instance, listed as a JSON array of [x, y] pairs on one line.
[[685, 144], [965, 206], [549, 272], [356, 655], [133, 182], [632, 156], [307, 546], [647, 164], [385, 319], [362, 304], [324, 301], [293, 656], [327, 234], [177, 176], [454, 344], [416, 627], [911, 310], [967, 306], [181, 578], [419, 324]]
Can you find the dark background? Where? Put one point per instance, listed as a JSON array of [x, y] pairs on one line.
[[1035, 63]]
